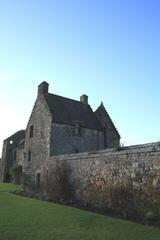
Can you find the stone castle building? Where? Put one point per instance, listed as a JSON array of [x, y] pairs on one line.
[[71, 153], [57, 125]]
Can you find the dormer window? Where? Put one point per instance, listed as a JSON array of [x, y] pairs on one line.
[[31, 131]]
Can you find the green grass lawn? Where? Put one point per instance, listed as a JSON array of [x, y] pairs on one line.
[[30, 219]]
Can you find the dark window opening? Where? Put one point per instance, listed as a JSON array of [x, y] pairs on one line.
[[15, 156], [76, 150], [31, 132], [7, 177], [29, 155], [38, 180]]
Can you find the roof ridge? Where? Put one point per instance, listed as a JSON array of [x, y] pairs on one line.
[[66, 98], [67, 110]]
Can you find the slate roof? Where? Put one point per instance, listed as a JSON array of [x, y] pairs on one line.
[[65, 110]]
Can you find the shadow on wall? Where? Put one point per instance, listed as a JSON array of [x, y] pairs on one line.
[[119, 183], [100, 196], [16, 173], [57, 182]]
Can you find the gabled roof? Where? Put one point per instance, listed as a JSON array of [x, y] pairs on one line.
[[103, 110], [65, 110]]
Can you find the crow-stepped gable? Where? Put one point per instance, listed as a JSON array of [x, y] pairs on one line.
[[61, 125], [57, 125], [72, 153]]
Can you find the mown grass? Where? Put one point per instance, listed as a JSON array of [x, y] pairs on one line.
[[30, 219]]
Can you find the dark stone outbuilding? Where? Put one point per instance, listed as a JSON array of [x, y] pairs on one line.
[[12, 157]]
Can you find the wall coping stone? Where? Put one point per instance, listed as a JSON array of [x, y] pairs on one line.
[[149, 148]]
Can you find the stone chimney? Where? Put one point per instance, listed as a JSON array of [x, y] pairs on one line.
[[43, 88], [84, 99]]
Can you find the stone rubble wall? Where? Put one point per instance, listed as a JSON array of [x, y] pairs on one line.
[[63, 135], [126, 180]]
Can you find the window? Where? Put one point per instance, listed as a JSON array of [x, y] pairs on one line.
[[15, 156], [77, 129], [29, 155], [31, 131], [38, 180]]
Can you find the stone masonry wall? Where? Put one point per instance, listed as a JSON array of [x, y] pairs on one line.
[[9, 156], [64, 140], [124, 182], [3, 163], [37, 145]]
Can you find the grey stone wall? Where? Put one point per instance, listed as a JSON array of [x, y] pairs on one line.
[[20, 156], [64, 140], [112, 138], [9, 156], [125, 182], [50, 138], [3, 162], [111, 135], [36, 149]]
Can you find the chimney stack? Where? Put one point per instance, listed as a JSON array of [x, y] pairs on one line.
[[43, 88], [84, 99]]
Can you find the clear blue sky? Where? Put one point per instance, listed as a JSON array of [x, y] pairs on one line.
[[107, 49]]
